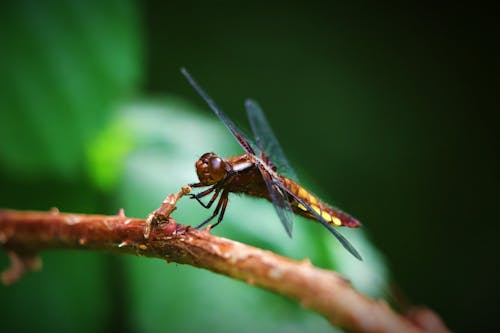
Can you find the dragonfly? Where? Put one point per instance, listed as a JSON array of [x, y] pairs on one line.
[[264, 172]]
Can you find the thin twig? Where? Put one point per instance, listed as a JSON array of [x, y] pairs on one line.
[[26, 233]]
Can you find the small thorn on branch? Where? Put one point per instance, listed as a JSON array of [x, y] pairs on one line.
[[20, 264], [121, 212]]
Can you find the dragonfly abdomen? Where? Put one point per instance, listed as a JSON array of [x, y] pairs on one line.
[[330, 215]]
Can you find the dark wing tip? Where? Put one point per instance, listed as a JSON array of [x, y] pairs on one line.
[[188, 76], [353, 251], [249, 102], [345, 243], [289, 230], [356, 254]]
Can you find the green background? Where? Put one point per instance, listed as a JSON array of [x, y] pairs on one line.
[[385, 110]]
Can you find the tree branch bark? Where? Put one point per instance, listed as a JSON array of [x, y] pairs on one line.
[[25, 233]]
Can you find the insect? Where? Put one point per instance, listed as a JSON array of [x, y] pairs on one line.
[[255, 173]]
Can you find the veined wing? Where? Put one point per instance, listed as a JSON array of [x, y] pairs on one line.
[[266, 141], [345, 243], [242, 139], [280, 200]]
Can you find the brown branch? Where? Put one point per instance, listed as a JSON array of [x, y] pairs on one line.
[[25, 233]]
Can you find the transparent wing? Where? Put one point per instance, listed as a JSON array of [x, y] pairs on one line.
[[345, 243], [266, 141], [242, 139], [280, 200]]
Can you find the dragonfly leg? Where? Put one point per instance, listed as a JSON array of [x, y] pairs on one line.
[[224, 199], [215, 213], [217, 187], [222, 203], [197, 185], [205, 193]]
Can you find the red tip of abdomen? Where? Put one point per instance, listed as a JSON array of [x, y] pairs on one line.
[[353, 223], [348, 220]]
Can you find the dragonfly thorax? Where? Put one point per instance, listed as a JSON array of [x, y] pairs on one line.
[[211, 168]]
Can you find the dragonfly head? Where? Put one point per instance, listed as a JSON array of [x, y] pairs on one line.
[[211, 168]]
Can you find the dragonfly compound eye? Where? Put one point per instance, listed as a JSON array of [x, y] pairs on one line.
[[210, 168]]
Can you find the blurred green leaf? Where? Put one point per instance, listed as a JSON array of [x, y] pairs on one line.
[[187, 299], [106, 153], [65, 65]]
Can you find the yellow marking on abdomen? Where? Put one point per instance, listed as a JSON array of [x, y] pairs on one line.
[[312, 199], [316, 209], [327, 217], [323, 213], [336, 221], [308, 197], [303, 193]]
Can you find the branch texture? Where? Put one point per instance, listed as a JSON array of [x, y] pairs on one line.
[[25, 233]]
